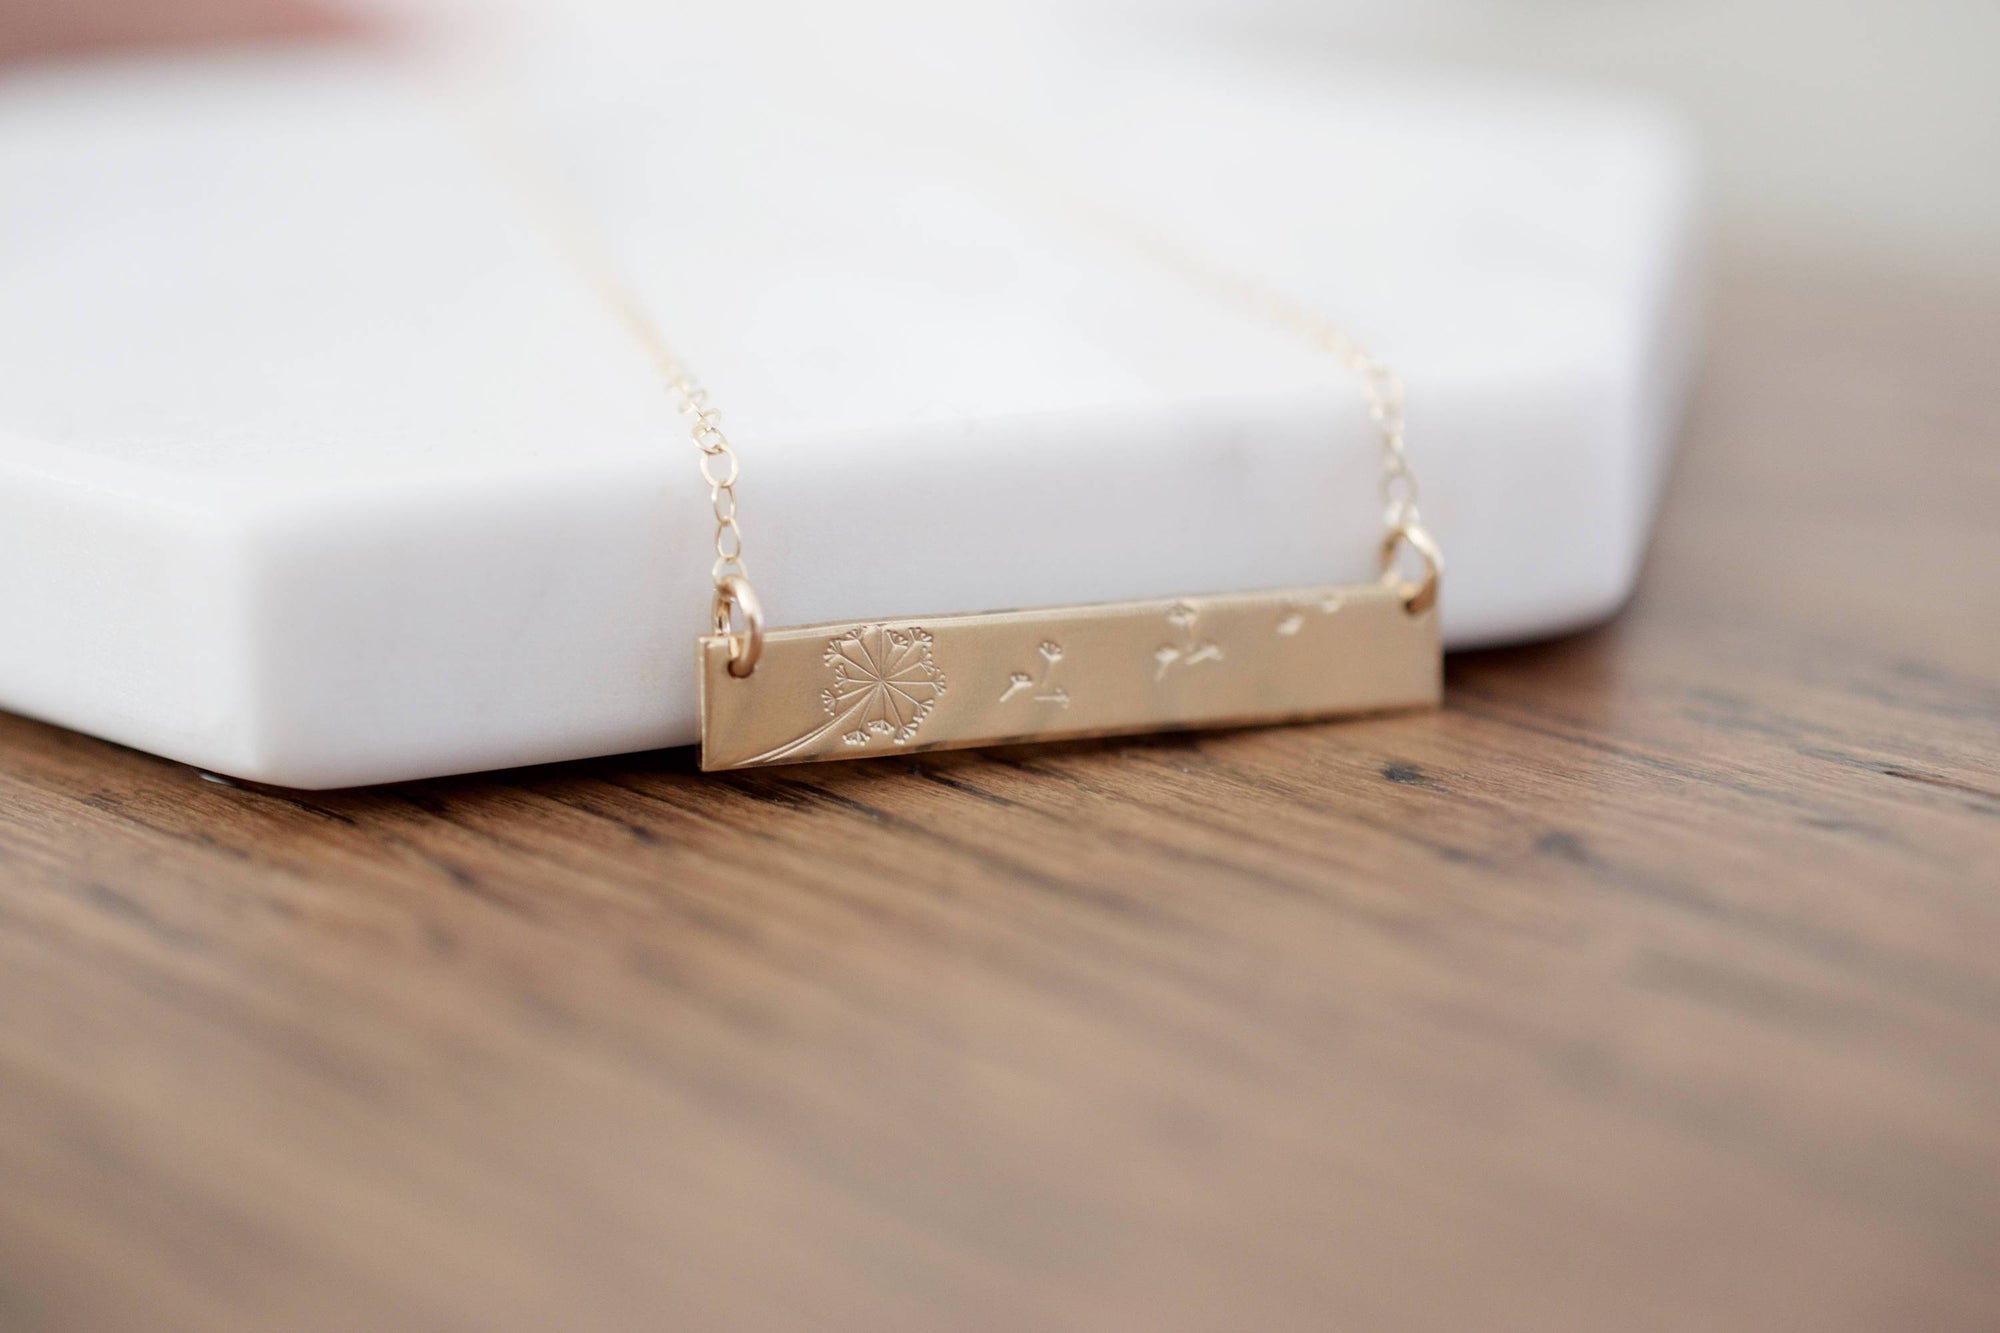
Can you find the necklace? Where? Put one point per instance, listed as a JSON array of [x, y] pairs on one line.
[[853, 689]]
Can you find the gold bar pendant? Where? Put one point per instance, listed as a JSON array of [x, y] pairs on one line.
[[881, 687]]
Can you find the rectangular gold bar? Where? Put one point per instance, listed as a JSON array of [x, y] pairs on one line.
[[878, 687]]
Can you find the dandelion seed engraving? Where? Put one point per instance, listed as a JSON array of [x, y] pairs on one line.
[[1189, 650], [1046, 691], [884, 685], [1295, 615]]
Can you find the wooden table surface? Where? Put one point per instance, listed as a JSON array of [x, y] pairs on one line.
[[1653, 984]]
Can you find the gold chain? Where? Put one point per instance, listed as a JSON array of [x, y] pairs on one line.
[[719, 466], [1381, 388]]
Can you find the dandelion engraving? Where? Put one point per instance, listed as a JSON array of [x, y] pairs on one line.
[[1047, 693], [1189, 650], [1295, 615], [885, 684]]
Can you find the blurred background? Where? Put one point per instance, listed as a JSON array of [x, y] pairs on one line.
[[1857, 132], [1850, 131]]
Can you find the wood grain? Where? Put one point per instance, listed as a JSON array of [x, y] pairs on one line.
[[1652, 984]]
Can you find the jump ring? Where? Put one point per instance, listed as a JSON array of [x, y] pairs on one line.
[[734, 594], [1420, 596]]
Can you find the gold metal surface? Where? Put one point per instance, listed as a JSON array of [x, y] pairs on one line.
[[868, 688]]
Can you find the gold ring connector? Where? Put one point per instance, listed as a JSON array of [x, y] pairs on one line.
[[1420, 596], [734, 595]]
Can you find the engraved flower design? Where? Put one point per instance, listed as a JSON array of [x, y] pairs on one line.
[[884, 683]]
